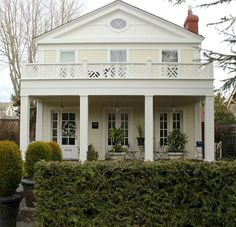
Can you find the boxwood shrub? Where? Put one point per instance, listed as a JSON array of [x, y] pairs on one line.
[[165, 193]]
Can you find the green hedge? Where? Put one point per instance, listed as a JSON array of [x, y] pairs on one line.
[[170, 193]]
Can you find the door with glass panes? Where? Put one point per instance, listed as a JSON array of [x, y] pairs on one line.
[[117, 120], [64, 132], [168, 122]]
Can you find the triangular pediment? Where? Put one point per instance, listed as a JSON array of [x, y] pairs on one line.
[[140, 26]]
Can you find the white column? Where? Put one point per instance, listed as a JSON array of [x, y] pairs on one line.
[[39, 121], [24, 124], [197, 126], [209, 128], [83, 127], [148, 156]]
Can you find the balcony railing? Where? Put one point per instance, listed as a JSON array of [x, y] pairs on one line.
[[147, 70]]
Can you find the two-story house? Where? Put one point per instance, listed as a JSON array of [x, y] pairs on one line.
[[119, 66]]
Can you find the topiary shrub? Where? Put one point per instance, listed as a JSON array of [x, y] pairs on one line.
[[56, 151], [92, 154], [35, 152], [10, 167]]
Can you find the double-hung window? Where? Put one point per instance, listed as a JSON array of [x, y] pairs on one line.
[[118, 56], [67, 56]]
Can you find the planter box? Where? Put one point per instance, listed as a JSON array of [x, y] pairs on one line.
[[175, 155], [116, 155]]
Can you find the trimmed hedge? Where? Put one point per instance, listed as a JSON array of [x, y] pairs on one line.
[[165, 193], [36, 151], [56, 154]]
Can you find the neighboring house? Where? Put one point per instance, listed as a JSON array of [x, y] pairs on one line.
[[114, 67], [7, 111], [231, 104]]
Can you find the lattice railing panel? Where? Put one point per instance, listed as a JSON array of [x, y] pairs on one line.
[[118, 71]]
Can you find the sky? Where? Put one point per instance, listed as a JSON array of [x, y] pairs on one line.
[[168, 11]]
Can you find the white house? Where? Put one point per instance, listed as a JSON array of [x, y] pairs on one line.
[[115, 67]]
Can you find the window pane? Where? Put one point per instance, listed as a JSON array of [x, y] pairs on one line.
[[118, 56], [169, 56], [64, 141], [72, 116], [67, 57], [72, 141], [54, 116], [64, 116]]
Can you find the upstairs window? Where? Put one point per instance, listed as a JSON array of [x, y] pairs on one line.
[[118, 56], [169, 56], [67, 56]]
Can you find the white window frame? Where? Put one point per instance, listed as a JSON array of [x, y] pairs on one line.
[[108, 109], [169, 122]]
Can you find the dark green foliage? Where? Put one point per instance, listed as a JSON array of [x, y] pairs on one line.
[[36, 151], [56, 151], [170, 193], [176, 141], [10, 167], [117, 138], [92, 154]]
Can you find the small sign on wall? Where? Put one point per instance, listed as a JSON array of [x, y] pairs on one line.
[[199, 143], [95, 125]]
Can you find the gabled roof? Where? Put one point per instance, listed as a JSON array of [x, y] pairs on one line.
[[118, 5]]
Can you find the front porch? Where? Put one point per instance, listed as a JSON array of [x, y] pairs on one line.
[[77, 121]]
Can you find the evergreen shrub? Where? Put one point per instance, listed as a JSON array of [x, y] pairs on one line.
[[10, 167], [35, 152], [56, 154], [165, 193]]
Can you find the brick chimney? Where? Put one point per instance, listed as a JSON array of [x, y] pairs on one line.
[[191, 22]]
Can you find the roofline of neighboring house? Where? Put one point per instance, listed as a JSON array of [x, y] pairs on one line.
[[108, 5]]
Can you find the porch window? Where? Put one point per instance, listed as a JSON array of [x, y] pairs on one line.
[[67, 56], [55, 121], [118, 56], [169, 121]]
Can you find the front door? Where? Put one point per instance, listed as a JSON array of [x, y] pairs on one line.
[[69, 142], [117, 120]]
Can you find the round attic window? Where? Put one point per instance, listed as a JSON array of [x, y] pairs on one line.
[[118, 24]]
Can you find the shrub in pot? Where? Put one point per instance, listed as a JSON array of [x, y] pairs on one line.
[[35, 152], [10, 177], [56, 154], [176, 141], [117, 138]]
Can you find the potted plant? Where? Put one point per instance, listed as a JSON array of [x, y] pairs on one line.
[[117, 137], [176, 141], [35, 152], [140, 138], [10, 177], [92, 154]]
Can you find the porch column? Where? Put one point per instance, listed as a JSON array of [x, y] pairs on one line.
[[24, 124], [148, 156], [39, 121], [83, 127], [197, 126], [209, 128]]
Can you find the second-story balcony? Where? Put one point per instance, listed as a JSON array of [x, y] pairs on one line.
[[146, 70]]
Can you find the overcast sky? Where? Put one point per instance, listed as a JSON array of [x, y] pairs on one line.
[[166, 10]]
